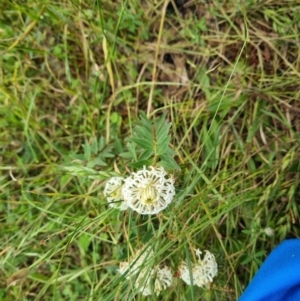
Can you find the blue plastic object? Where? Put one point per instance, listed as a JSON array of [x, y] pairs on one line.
[[278, 279]]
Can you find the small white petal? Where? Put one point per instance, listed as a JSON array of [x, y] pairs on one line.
[[155, 281], [185, 273], [164, 279], [136, 264]]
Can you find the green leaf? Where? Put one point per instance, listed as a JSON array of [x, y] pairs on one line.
[[94, 147], [168, 162], [132, 151], [78, 170], [171, 152], [162, 129], [146, 154], [141, 131], [154, 139], [162, 146], [143, 143], [141, 163], [143, 134], [126, 155], [96, 161], [118, 145], [84, 241], [95, 151], [87, 150], [145, 122], [162, 134]]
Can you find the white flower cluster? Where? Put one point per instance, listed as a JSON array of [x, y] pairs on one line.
[[146, 280], [145, 191], [149, 191], [202, 273]]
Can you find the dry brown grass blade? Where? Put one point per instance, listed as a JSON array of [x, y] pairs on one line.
[[26, 32], [17, 277], [162, 21]]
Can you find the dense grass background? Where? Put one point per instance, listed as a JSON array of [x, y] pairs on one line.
[[74, 76]]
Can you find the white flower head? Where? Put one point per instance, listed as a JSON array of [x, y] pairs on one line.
[[149, 191], [137, 263], [202, 273], [113, 193], [155, 281], [147, 279], [163, 280]]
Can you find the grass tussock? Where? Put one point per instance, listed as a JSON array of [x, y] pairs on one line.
[[74, 77]]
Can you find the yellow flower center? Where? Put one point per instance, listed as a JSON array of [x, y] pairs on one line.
[[148, 194]]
